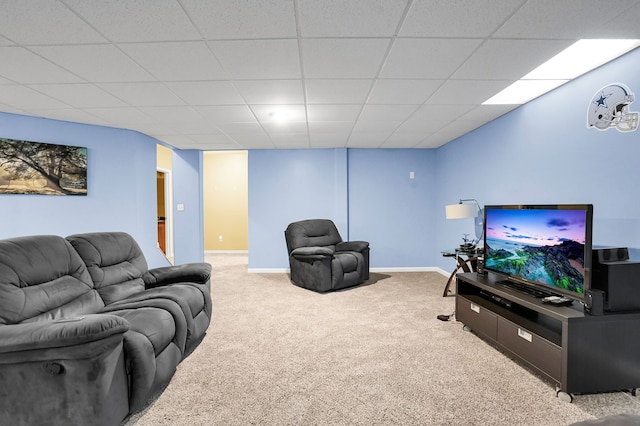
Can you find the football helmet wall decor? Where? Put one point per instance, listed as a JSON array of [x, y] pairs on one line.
[[609, 108]]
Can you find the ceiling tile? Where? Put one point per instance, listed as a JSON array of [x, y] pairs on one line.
[[551, 19], [23, 97], [354, 18], [293, 127], [241, 128], [382, 127], [271, 113], [428, 115], [81, 95], [457, 18], [96, 63], [509, 59], [407, 92], [125, 116], [6, 42], [218, 140], [172, 114], [271, 92], [328, 140], [427, 58], [290, 141], [143, 94], [333, 127], [471, 92], [226, 114], [69, 114], [254, 141], [23, 66], [206, 92], [49, 22], [366, 139], [186, 127], [386, 112], [343, 58], [258, 59], [333, 112], [337, 91], [624, 25], [403, 140], [168, 61], [486, 113], [241, 19], [140, 20]]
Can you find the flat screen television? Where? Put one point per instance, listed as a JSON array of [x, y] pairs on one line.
[[543, 247]]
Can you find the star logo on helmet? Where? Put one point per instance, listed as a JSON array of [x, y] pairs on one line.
[[602, 100]]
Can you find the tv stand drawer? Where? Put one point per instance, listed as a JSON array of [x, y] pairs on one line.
[[478, 318], [531, 348]]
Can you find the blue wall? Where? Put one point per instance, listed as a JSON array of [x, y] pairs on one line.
[[543, 152], [290, 185], [121, 196], [188, 191], [366, 192]]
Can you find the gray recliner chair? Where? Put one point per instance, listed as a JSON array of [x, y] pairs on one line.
[[320, 260]]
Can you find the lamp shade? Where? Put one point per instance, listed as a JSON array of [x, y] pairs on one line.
[[461, 211]]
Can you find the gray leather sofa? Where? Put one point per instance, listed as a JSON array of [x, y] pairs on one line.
[[88, 333], [319, 260]]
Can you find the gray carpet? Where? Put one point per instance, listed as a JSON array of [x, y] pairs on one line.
[[276, 354]]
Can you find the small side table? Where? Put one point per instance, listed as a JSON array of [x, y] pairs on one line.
[[467, 260]]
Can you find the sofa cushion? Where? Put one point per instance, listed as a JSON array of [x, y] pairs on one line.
[[114, 260], [43, 278], [157, 325]]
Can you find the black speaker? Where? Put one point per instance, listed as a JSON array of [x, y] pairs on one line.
[[594, 302], [610, 254], [620, 281]]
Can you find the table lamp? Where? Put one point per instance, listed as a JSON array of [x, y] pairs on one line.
[[464, 211]]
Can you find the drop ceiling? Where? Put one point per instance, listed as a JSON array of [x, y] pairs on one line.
[[215, 74]]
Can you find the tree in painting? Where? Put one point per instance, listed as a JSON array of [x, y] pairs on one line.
[[31, 167]]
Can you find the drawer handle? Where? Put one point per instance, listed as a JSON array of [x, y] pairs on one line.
[[475, 308], [524, 334]]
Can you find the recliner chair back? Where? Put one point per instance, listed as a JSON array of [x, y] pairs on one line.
[[310, 233], [42, 278]]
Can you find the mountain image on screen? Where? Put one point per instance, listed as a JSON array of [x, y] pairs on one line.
[[542, 246], [551, 265]]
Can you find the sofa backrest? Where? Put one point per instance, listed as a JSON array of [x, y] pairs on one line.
[[114, 261], [311, 233], [43, 278]]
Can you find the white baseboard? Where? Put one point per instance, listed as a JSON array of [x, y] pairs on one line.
[[380, 270]]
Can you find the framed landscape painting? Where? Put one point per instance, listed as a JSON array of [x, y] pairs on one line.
[[40, 168]]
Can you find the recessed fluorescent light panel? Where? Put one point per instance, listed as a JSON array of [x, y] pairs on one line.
[[579, 58]]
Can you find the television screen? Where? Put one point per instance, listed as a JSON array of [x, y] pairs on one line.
[[546, 246]]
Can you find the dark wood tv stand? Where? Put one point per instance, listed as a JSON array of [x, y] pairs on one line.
[[578, 352]]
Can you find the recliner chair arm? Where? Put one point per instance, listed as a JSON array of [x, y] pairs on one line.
[[198, 273], [352, 246], [61, 333], [323, 251]]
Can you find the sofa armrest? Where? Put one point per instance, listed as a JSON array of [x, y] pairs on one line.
[[312, 252], [60, 333], [352, 246], [198, 273]]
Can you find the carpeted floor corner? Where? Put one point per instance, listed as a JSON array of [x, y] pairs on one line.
[[276, 354]]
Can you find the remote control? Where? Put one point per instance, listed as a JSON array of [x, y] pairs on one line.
[[557, 300]]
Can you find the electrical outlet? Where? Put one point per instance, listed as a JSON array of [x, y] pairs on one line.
[[220, 238]]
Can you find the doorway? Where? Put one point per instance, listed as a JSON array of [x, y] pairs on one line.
[[165, 217]]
